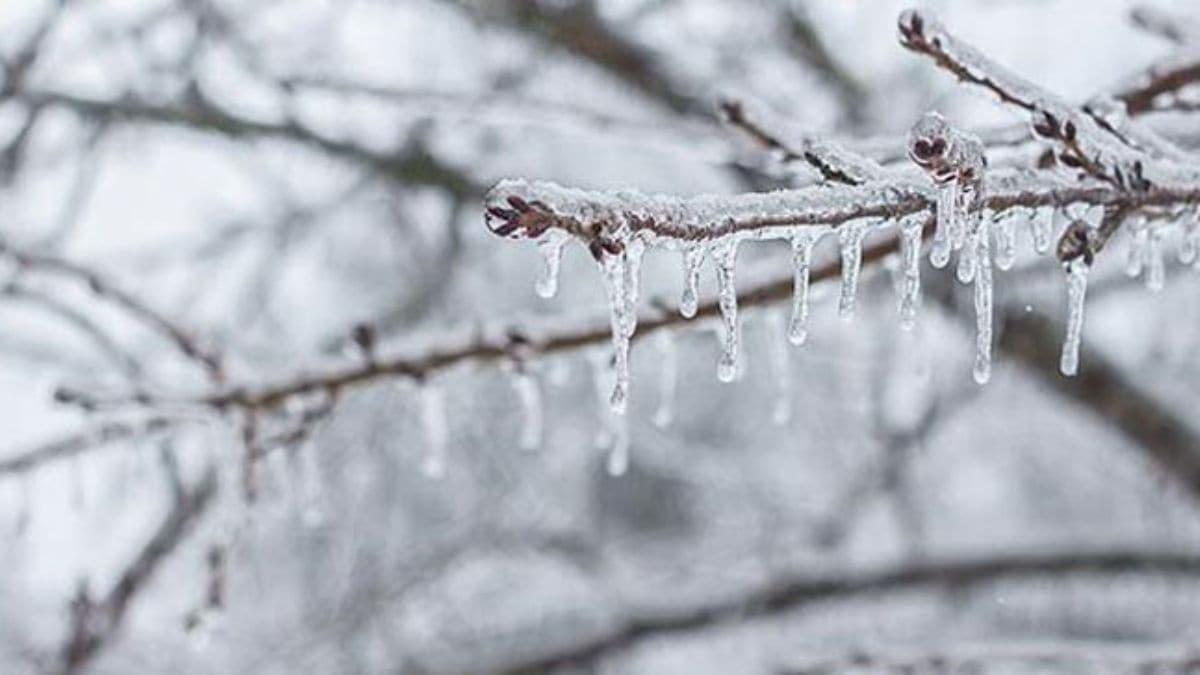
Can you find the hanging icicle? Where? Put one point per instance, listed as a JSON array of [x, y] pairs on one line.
[[668, 374], [982, 370], [1135, 261], [1041, 229], [850, 241], [802, 248], [433, 423], [693, 259], [910, 252], [529, 394], [1006, 243], [726, 260], [615, 278], [618, 455], [550, 246], [1077, 278]]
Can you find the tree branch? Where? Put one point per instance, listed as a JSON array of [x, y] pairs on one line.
[[789, 594]]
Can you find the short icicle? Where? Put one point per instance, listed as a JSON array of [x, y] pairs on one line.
[[781, 413], [529, 394], [983, 303], [850, 239], [668, 363], [1006, 243], [802, 248], [1041, 230], [618, 456], [551, 247], [947, 200], [1077, 279], [726, 259], [689, 302], [433, 423], [910, 251]]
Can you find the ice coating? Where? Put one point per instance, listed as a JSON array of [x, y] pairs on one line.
[[1077, 279]]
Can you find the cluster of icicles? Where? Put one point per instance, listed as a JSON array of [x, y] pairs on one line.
[[981, 241]]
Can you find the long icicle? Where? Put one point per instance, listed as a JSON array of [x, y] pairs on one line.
[[910, 251], [615, 278], [726, 259], [693, 258], [983, 303], [1077, 279]]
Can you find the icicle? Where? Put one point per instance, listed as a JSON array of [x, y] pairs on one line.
[[433, 422], [966, 265], [1156, 273], [947, 199], [558, 372], [910, 251], [551, 247], [1077, 278], [693, 258], [668, 357], [802, 247], [781, 414], [1006, 244], [1136, 259], [726, 259], [530, 396], [618, 456], [983, 304], [634, 249], [312, 488], [1041, 228], [615, 278], [850, 239]]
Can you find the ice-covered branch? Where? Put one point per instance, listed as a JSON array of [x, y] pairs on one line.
[[789, 594], [84, 441]]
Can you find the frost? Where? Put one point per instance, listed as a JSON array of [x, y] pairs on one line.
[[1077, 278], [983, 303], [529, 394], [550, 246], [910, 251], [433, 423], [802, 248], [850, 240], [668, 374], [726, 259], [693, 258]]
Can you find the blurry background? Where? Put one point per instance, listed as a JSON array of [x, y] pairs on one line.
[[265, 175]]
